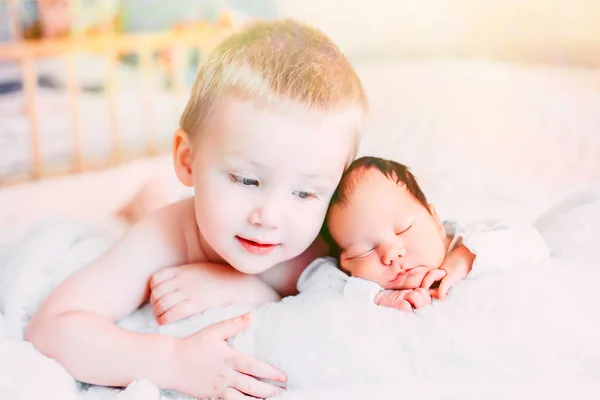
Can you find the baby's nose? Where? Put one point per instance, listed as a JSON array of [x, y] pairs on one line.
[[393, 254]]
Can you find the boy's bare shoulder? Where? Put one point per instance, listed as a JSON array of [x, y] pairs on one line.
[[176, 224]]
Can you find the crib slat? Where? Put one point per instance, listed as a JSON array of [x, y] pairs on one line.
[[207, 35], [176, 70], [111, 94], [145, 55], [30, 88], [15, 23], [73, 94]]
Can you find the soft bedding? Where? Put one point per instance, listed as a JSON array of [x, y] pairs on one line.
[[528, 330], [485, 140]]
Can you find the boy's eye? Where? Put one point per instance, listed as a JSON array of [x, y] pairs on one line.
[[243, 180], [305, 195]]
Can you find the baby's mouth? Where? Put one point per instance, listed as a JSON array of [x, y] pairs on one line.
[[399, 276], [403, 272]]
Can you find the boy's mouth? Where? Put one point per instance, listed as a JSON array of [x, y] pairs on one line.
[[256, 247]]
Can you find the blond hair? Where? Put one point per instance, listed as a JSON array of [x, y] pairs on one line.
[[275, 61]]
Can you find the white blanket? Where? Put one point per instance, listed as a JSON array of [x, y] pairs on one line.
[[526, 333]]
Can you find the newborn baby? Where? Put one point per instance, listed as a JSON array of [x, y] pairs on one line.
[[384, 232]]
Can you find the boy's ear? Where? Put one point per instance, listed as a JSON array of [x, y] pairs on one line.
[[182, 157], [437, 220]]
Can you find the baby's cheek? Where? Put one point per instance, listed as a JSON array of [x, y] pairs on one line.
[[370, 272]]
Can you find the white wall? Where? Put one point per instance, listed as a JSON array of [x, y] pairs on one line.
[[537, 30]]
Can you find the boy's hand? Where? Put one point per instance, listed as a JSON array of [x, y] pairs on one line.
[[404, 300], [182, 291], [204, 366], [455, 268], [172, 293]]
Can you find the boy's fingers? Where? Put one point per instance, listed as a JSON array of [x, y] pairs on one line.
[[250, 366], [162, 275], [161, 290], [234, 394], [180, 311], [225, 329], [169, 301], [253, 387]]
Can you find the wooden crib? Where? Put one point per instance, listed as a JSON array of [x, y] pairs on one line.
[[202, 36]]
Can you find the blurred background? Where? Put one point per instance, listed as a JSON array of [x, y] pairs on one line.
[[494, 101], [531, 31], [563, 31]]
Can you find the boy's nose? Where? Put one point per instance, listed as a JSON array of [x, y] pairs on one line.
[[265, 217]]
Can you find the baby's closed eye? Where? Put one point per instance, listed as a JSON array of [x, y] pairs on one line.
[[403, 230], [357, 254]]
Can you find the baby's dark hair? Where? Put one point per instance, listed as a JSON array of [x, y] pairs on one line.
[[397, 172]]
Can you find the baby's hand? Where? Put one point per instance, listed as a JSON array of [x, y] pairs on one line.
[[404, 300], [174, 293], [454, 269]]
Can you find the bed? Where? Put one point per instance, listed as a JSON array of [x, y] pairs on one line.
[[486, 139]]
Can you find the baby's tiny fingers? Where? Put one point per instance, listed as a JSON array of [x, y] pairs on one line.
[[445, 286], [431, 277], [405, 306], [397, 300], [416, 299], [428, 280], [425, 294]]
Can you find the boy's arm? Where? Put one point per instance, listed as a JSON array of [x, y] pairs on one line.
[[75, 324]]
